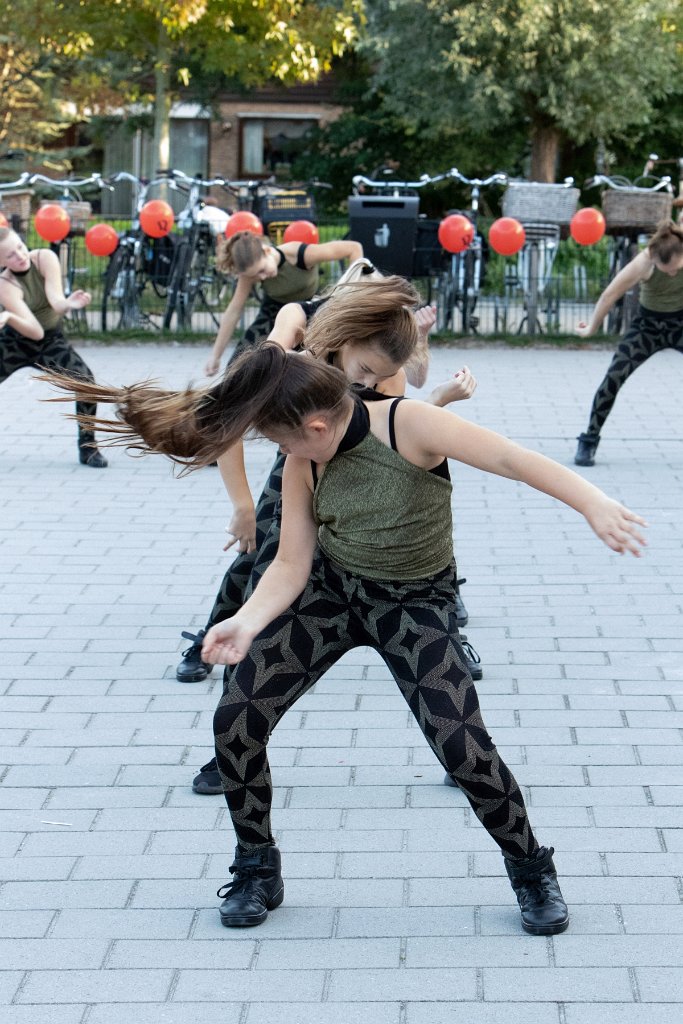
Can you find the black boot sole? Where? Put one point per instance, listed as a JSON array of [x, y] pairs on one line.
[[193, 677], [206, 787], [549, 929], [250, 921]]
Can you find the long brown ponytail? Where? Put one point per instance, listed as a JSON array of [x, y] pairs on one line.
[[236, 254], [265, 390]]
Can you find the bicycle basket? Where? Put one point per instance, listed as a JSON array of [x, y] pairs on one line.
[[285, 206], [428, 256], [635, 211], [158, 256], [537, 201], [79, 214]]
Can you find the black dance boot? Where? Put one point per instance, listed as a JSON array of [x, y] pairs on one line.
[[88, 452], [586, 449], [534, 880], [191, 668], [256, 888]]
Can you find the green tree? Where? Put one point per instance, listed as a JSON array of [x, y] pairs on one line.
[[162, 42], [40, 45], [565, 69]]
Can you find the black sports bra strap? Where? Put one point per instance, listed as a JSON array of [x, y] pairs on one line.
[[314, 471], [300, 262], [392, 428]]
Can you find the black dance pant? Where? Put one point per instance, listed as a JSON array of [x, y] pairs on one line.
[[412, 627], [52, 353], [649, 333]]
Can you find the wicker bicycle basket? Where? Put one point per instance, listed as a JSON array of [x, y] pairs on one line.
[[635, 211], [538, 201], [79, 213]]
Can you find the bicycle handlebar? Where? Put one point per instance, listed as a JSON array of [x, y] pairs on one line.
[[499, 178], [68, 184], [621, 184], [21, 182]]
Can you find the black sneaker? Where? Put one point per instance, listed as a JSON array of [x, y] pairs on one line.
[[191, 668], [472, 658], [461, 615], [208, 781]]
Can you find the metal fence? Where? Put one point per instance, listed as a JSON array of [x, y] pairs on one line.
[[513, 297]]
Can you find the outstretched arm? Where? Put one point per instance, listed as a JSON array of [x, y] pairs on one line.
[[430, 433], [639, 269], [49, 267], [228, 642], [229, 321]]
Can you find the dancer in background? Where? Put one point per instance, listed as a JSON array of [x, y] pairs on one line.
[[33, 305], [286, 273], [658, 324]]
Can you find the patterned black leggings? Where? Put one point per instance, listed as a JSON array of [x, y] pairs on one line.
[[248, 568], [649, 333], [52, 353], [412, 626]]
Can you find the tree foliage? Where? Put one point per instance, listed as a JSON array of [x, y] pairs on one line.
[[566, 69]]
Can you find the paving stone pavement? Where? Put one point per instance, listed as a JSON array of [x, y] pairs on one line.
[[397, 908]]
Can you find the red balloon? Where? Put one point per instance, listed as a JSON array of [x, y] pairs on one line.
[[52, 222], [101, 239], [456, 232], [587, 226], [301, 231], [506, 236], [4, 223], [243, 220], [156, 218]]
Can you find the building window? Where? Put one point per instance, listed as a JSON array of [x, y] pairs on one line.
[[269, 145]]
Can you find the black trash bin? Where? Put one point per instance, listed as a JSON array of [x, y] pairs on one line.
[[386, 227]]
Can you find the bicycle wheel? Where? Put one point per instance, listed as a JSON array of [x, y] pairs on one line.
[[468, 298], [445, 296], [175, 284], [75, 319], [197, 264], [112, 294]]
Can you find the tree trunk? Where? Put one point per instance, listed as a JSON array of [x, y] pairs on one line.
[[162, 102], [545, 151]]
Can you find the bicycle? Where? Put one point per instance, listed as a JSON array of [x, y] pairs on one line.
[[194, 279], [68, 251], [457, 285], [135, 263], [630, 207]]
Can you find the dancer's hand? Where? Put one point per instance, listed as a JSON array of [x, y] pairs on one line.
[[616, 526], [212, 367], [584, 330], [227, 643], [78, 299], [460, 386], [425, 318], [242, 529]]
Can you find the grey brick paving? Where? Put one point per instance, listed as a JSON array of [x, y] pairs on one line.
[[397, 908]]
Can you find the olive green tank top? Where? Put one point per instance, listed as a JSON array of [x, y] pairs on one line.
[[661, 293], [381, 517], [293, 283], [32, 284]]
